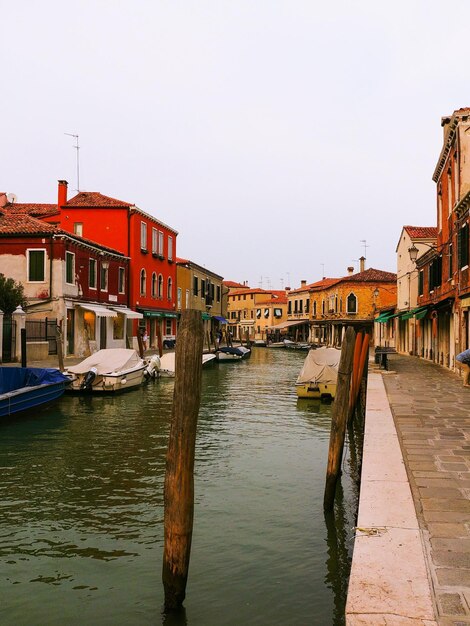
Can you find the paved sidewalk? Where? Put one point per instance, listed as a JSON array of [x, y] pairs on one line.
[[431, 410]]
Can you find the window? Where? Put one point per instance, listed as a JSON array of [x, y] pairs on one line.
[[451, 260], [420, 282], [462, 243], [289, 307], [258, 313], [296, 306], [170, 289], [36, 266], [70, 268], [104, 276], [143, 236], [218, 293], [187, 298], [314, 308], [78, 229], [195, 286], [143, 281], [160, 243], [89, 321], [160, 286], [154, 285], [92, 273], [435, 273], [122, 280], [154, 241], [203, 288], [170, 248], [351, 304], [168, 328], [266, 313], [179, 297], [307, 306]]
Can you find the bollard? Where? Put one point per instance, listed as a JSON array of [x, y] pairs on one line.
[[179, 476]]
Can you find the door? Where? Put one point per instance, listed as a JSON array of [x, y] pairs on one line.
[[103, 336], [70, 331]]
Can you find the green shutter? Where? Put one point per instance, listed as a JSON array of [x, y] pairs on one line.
[[36, 265]]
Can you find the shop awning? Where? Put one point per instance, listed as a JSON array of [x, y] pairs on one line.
[[160, 314], [220, 319], [100, 311], [421, 312], [384, 317], [288, 324], [129, 313]]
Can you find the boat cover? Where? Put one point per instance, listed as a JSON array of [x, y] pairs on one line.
[[108, 360], [229, 350], [14, 378], [320, 365]]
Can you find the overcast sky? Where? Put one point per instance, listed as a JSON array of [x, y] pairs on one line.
[[275, 136]]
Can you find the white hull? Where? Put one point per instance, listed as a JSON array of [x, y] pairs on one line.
[[114, 382]]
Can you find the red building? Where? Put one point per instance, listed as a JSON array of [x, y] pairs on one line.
[[74, 281], [149, 243]]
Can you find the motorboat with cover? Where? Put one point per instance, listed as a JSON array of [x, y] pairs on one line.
[[236, 353], [319, 374], [111, 369], [25, 388], [168, 360]]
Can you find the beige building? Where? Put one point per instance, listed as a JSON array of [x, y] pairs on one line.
[[251, 311], [202, 290]]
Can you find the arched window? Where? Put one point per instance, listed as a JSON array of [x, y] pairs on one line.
[[143, 281], [352, 303], [160, 286], [154, 285], [170, 289]]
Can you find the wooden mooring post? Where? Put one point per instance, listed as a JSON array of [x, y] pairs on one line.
[[179, 476], [339, 417]]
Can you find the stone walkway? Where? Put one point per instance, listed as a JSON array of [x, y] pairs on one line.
[[431, 410]]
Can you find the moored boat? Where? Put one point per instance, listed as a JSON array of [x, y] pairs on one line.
[[26, 388], [167, 363], [236, 353], [318, 376], [108, 370]]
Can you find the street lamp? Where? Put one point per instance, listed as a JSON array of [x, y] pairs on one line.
[[413, 250]]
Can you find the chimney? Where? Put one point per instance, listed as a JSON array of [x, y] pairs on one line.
[[3, 199], [362, 263], [350, 270], [303, 283], [62, 193]]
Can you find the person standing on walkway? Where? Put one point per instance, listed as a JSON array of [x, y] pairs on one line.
[[464, 359]]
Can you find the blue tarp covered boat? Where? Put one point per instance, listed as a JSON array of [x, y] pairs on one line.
[[23, 388]]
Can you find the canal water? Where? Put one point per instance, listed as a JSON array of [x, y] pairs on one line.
[[81, 507]]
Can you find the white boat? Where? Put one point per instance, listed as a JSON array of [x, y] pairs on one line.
[[319, 374], [167, 363], [109, 370], [296, 345], [275, 344], [259, 343], [236, 353]]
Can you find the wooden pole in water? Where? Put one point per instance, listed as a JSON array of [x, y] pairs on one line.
[[159, 337], [60, 353], [179, 476], [339, 418]]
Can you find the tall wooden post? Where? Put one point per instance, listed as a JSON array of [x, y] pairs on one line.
[[179, 476], [159, 337], [60, 352], [339, 417]]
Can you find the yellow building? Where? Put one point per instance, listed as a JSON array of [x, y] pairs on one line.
[[251, 311], [202, 290]]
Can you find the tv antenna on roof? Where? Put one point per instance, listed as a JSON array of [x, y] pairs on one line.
[[322, 270], [364, 243], [77, 148]]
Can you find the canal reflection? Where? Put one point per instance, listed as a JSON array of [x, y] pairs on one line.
[[82, 506]]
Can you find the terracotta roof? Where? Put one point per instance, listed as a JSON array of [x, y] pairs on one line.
[[95, 199], [23, 224], [421, 232], [182, 261], [371, 275], [234, 285], [34, 209], [279, 300]]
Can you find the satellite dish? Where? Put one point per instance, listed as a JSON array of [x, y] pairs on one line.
[[12, 198]]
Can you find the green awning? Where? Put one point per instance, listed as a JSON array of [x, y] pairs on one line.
[[384, 317], [152, 314], [206, 316], [406, 316], [172, 315], [421, 312]]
